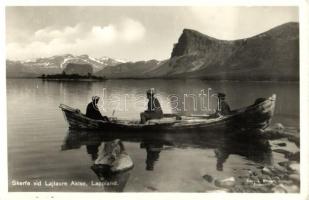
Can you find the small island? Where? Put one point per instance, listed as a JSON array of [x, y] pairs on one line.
[[71, 77]]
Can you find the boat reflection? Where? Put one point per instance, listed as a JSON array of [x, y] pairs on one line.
[[112, 164], [92, 150], [250, 145]]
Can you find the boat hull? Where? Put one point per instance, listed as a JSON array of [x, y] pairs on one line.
[[256, 116]]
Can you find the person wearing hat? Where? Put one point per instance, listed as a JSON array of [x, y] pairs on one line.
[[223, 106], [93, 111], [154, 110]]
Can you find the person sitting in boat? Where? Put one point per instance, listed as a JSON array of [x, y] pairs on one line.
[[93, 111], [154, 110], [223, 106]]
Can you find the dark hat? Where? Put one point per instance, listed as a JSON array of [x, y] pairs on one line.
[[94, 98], [151, 91], [221, 95]]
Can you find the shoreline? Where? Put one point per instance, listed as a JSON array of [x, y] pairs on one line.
[[73, 80], [281, 176], [143, 79]]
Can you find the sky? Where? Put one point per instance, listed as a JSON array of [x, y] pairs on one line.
[[128, 33]]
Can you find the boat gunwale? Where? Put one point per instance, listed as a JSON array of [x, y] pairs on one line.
[[268, 104]]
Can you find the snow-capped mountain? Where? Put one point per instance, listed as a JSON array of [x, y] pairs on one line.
[[97, 63], [269, 56], [55, 64]]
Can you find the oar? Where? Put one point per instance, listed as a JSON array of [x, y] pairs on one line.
[[112, 117]]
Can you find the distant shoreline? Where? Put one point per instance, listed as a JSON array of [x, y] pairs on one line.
[[73, 80], [71, 77], [167, 79]]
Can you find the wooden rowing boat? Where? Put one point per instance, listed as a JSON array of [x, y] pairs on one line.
[[256, 116]]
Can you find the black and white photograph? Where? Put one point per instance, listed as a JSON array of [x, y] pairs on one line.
[[153, 99]]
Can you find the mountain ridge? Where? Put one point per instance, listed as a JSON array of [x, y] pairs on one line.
[[272, 55], [55, 65], [269, 56]]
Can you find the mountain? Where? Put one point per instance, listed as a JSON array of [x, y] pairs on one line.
[[269, 56], [138, 69], [56, 64], [273, 55], [76, 68], [97, 63], [16, 69]]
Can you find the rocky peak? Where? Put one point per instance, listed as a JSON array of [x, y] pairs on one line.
[[193, 42]]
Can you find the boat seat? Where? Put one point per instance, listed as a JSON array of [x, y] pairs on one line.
[[165, 120]]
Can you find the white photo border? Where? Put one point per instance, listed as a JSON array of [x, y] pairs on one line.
[[303, 6]]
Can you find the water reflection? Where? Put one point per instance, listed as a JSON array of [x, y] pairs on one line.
[[92, 150], [112, 175], [250, 145], [111, 164], [36, 126], [153, 150]]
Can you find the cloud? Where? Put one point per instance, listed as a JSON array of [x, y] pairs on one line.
[[132, 30], [107, 34], [226, 22], [78, 39], [66, 34]]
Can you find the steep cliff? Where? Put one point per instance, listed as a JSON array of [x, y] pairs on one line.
[[273, 55]]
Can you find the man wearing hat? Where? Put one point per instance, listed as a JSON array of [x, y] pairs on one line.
[[93, 111], [223, 106], [154, 110]]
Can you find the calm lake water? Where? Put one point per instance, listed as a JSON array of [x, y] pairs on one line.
[[37, 132]]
